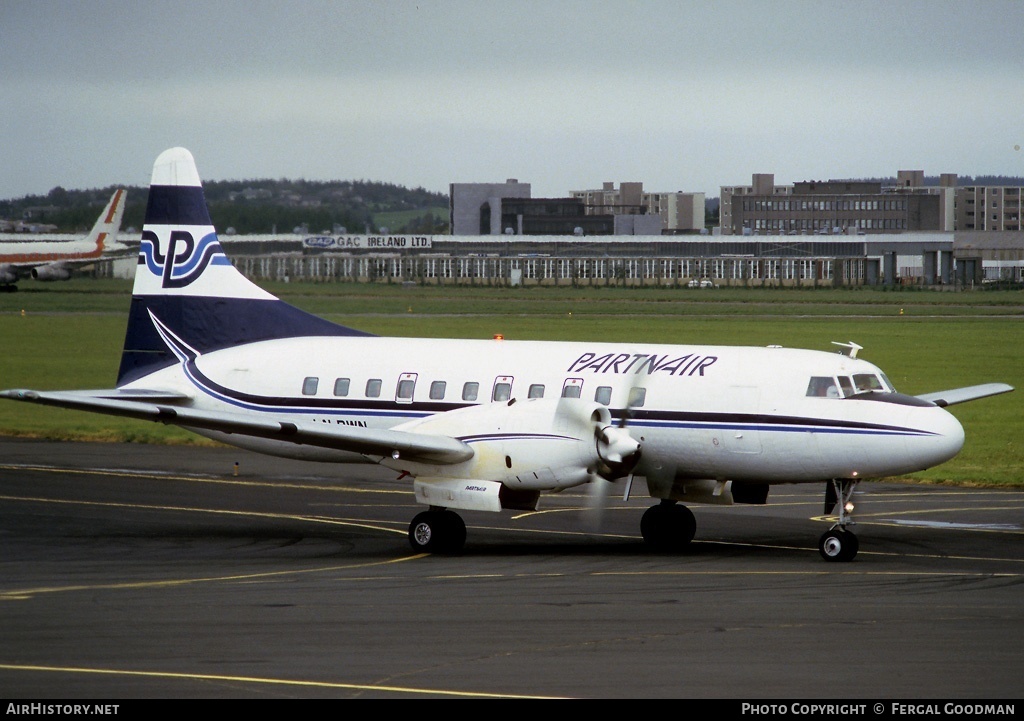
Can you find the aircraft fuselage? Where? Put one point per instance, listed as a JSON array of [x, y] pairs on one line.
[[711, 412]]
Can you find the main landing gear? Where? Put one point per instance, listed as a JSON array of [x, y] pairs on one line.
[[668, 526], [838, 543], [437, 531]]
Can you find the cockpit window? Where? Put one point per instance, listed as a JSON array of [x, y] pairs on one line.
[[867, 382], [847, 386], [823, 387]]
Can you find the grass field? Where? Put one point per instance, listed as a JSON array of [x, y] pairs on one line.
[[69, 335]]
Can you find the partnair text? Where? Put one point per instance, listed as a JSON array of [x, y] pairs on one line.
[[638, 363]]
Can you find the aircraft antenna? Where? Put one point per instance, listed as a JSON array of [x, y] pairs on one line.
[[849, 348]]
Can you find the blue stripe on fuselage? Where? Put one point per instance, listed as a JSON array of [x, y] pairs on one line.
[[654, 419]]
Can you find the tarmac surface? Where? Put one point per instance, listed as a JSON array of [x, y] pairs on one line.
[[142, 572]]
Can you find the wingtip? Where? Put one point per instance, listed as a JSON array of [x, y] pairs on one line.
[[19, 394]]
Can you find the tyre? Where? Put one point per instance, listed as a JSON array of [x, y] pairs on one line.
[[838, 545], [668, 528]]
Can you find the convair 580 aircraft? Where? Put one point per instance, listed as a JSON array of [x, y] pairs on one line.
[[489, 425]]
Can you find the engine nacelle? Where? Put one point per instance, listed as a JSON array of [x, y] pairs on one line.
[[7, 275], [53, 271], [536, 444]]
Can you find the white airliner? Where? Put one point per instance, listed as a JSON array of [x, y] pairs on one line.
[[54, 260], [488, 425]]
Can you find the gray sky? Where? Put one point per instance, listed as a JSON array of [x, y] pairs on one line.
[[564, 95]]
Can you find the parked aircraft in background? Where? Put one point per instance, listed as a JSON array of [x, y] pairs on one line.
[[55, 260], [488, 425]]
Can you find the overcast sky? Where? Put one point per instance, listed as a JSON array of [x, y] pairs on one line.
[[563, 95]]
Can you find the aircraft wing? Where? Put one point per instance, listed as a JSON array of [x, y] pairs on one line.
[[962, 395], [156, 406]]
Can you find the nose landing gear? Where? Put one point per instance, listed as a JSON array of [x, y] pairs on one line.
[[839, 543]]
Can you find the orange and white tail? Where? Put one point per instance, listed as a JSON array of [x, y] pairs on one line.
[[104, 233]]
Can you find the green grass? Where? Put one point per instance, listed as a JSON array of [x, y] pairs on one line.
[[395, 220], [70, 336]]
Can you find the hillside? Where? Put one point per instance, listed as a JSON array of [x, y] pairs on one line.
[[258, 206]]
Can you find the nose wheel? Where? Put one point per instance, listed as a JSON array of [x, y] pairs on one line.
[[839, 543]]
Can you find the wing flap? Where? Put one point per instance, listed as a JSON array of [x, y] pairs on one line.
[[962, 395], [367, 441]]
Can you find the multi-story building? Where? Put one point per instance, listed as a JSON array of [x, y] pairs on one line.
[[507, 209], [989, 207], [467, 202], [838, 206], [679, 212]]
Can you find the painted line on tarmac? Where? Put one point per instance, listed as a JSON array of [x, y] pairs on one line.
[[22, 594], [268, 681], [156, 476]]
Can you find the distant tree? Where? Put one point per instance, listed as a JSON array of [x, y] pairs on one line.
[[58, 196]]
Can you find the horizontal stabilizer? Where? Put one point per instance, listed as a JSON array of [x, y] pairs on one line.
[[366, 441], [962, 395]]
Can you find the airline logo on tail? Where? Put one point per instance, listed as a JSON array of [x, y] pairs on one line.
[[180, 254], [184, 261]]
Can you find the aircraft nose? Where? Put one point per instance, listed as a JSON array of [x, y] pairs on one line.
[[947, 438]]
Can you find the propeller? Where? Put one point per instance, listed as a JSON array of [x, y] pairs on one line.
[[619, 454], [618, 450]]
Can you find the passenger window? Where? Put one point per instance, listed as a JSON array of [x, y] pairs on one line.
[[536, 390], [437, 390], [341, 386], [847, 386], [309, 386], [502, 392], [571, 391], [867, 382], [822, 387], [637, 397], [603, 395], [373, 388], [405, 388], [470, 391]]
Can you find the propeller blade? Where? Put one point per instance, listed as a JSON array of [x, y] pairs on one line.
[[597, 503], [628, 489]]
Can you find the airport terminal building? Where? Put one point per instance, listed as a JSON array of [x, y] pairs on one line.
[[667, 261], [836, 233]]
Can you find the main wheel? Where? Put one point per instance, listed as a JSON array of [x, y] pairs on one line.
[[437, 532], [423, 532], [668, 527], [455, 532], [838, 545]]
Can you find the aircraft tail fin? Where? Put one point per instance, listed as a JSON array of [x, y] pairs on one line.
[[108, 225], [184, 283]]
